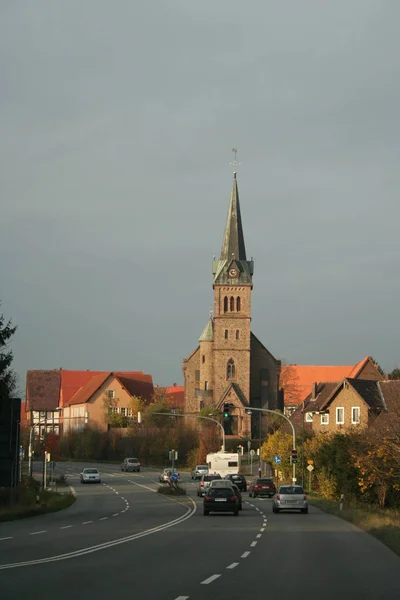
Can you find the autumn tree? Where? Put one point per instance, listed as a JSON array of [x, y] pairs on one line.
[[7, 375], [279, 444], [289, 381]]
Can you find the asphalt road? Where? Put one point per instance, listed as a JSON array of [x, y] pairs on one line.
[[123, 540]]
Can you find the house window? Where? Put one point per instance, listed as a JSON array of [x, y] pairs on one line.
[[325, 419], [115, 410], [201, 404], [203, 359], [230, 369], [309, 417], [111, 394], [206, 385], [238, 304], [128, 412], [197, 375], [226, 334], [237, 334], [123, 411], [339, 415], [355, 415], [232, 304]]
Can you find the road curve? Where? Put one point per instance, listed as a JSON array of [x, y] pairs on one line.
[[173, 552]]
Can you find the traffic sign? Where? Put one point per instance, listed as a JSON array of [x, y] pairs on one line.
[[252, 452], [277, 460], [310, 468]]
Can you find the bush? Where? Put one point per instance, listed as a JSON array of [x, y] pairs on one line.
[[171, 491]]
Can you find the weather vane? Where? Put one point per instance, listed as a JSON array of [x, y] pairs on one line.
[[235, 163]]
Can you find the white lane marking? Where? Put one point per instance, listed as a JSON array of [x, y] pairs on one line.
[[210, 579], [182, 598], [262, 529], [258, 535], [253, 544], [7, 538], [143, 486], [37, 532], [86, 522], [115, 514], [66, 527], [232, 566], [73, 491], [245, 554], [103, 518], [190, 511]]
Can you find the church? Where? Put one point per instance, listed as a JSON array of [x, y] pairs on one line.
[[231, 370]]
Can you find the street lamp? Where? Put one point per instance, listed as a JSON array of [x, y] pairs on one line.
[[196, 417], [276, 412]]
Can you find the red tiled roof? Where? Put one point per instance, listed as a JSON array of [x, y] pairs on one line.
[[86, 392], [304, 376], [72, 381], [136, 383]]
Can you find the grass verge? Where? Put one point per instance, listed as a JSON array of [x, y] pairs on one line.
[[384, 524], [48, 502], [171, 491]]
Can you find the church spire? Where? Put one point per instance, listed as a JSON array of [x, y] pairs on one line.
[[233, 243]]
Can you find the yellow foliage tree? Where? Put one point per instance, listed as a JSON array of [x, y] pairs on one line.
[[278, 444]]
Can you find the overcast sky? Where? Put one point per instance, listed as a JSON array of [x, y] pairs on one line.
[[117, 123]]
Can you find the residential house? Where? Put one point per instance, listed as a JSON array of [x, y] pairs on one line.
[[297, 380], [73, 399]]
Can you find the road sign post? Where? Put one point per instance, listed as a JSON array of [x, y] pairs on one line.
[[310, 469], [252, 453]]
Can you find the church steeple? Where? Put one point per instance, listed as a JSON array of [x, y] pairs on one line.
[[233, 266], [233, 243]]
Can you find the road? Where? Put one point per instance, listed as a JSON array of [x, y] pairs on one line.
[[122, 540]]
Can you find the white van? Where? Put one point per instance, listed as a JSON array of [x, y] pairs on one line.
[[224, 463]]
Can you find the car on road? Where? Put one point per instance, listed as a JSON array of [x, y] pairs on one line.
[[90, 475], [221, 499], [239, 480], [205, 482], [290, 497], [262, 486], [166, 474], [227, 483], [198, 471], [130, 464]]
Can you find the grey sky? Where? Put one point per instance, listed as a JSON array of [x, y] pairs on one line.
[[117, 123]]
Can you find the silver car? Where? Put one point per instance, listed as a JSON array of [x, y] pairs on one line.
[[90, 476], [205, 482], [166, 474], [198, 471], [290, 497]]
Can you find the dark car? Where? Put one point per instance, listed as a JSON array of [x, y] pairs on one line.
[[223, 499], [262, 486], [239, 480], [130, 464]]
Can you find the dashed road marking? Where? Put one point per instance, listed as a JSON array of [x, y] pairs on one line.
[[245, 554], [7, 538], [115, 514], [253, 544], [103, 518], [66, 527], [258, 535], [86, 522], [38, 532], [262, 529], [232, 566], [210, 579], [182, 598]]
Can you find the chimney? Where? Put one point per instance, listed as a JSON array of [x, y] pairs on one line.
[[174, 384], [314, 391]]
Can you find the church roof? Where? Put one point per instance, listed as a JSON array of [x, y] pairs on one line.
[[208, 332], [233, 242]]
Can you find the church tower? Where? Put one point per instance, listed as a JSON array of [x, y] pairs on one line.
[[232, 284]]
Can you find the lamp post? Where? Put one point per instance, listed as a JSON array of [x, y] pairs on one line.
[[196, 417], [276, 412]]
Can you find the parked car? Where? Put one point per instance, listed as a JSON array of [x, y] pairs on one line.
[[90, 475], [262, 486], [221, 499], [227, 483], [166, 474], [239, 480], [290, 497], [205, 482], [198, 471], [130, 464]]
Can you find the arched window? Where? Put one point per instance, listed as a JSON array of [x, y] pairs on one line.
[[226, 304], [230, 369], [232, 307], [238, 304]]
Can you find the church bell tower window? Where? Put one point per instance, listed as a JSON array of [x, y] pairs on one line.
[[238, 304], [232, 307], [230, 369], [226, 304]]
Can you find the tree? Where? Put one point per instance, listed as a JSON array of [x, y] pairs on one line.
[[289, 381], [7, 375], [378, 366], [395, 374], [279, 444]]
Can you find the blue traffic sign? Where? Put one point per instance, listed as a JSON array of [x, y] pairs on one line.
[[277, 459]]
